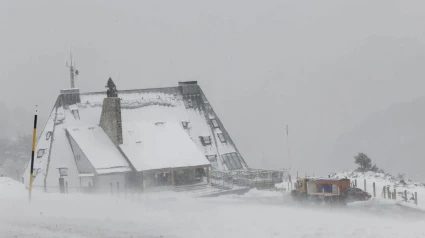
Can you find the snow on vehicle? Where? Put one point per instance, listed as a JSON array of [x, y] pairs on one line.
[[318, 190]]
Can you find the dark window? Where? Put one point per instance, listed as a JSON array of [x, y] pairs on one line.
[[232, 161], [206, 140], [221, 137], [214, 123], [40, 153], [78, 158], [185, 124], [48, 135], [76, 114], [213, 161]]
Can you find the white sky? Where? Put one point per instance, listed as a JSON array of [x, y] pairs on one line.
[[319, 66]]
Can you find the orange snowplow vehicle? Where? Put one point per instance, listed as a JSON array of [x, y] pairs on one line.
[[318, 190]]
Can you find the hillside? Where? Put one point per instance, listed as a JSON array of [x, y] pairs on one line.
[[393, 139], [14, 154], [382, 180]]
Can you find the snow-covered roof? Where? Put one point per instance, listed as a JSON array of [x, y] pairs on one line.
[[152, 146], [99, 149], [169, 104]]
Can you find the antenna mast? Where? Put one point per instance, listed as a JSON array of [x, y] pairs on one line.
[[72, 72]]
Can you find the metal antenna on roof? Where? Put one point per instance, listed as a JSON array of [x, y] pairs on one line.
[[72, 71], [287, 145]]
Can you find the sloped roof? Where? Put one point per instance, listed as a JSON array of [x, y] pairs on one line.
[[99, 149], [172, 104], [152, 146]]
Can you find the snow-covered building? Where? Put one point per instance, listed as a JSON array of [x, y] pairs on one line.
[[138, 138]]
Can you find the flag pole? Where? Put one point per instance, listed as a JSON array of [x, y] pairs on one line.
[[287, 145], [32, 154]]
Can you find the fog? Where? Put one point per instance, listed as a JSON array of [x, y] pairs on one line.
[[170, 214], [321, 67]]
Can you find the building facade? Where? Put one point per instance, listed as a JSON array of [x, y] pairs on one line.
[[132, 138]]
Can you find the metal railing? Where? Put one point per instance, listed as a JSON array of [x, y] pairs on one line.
[[246, 178]]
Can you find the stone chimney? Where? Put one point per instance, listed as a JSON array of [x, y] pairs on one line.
[[110, 120], [189, 87]]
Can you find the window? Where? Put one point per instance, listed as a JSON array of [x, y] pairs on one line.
[[213, 161], [40, 153], [206, 140], [76, 114], [48, 135], [185, 124], [214, 123], [232, 161], [221, 137], [78, 158]]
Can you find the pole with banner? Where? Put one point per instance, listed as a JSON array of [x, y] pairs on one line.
[[32, 154]]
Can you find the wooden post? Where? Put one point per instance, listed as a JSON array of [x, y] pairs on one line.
[[355, 183], [388, 190], [405, 195], [416, 198], [365, 185], [112, 193], [172, 178], [384, 190], [118, 188], [395, 195], [374, 190], [208, 175]]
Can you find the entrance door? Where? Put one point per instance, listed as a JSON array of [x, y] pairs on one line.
[[62, 185]]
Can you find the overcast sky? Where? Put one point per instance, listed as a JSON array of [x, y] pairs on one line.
[[319, 66]]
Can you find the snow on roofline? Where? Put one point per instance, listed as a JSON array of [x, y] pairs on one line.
[[85, 175], [152, 147], [327, 179], [103, 155]]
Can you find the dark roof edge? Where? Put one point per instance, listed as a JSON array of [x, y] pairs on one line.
[[132, 90]]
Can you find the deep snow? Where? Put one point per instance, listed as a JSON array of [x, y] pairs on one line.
[[385, 180], [169, 214]]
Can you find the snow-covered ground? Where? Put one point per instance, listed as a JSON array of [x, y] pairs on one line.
[[385, 180], [169, 214]]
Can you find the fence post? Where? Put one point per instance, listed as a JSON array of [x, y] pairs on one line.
[[112, 193], [355, 183], [405, 195], [385, 191], [365, 185], [416, 198], [388, 188], [374, 190], [395, 195]]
